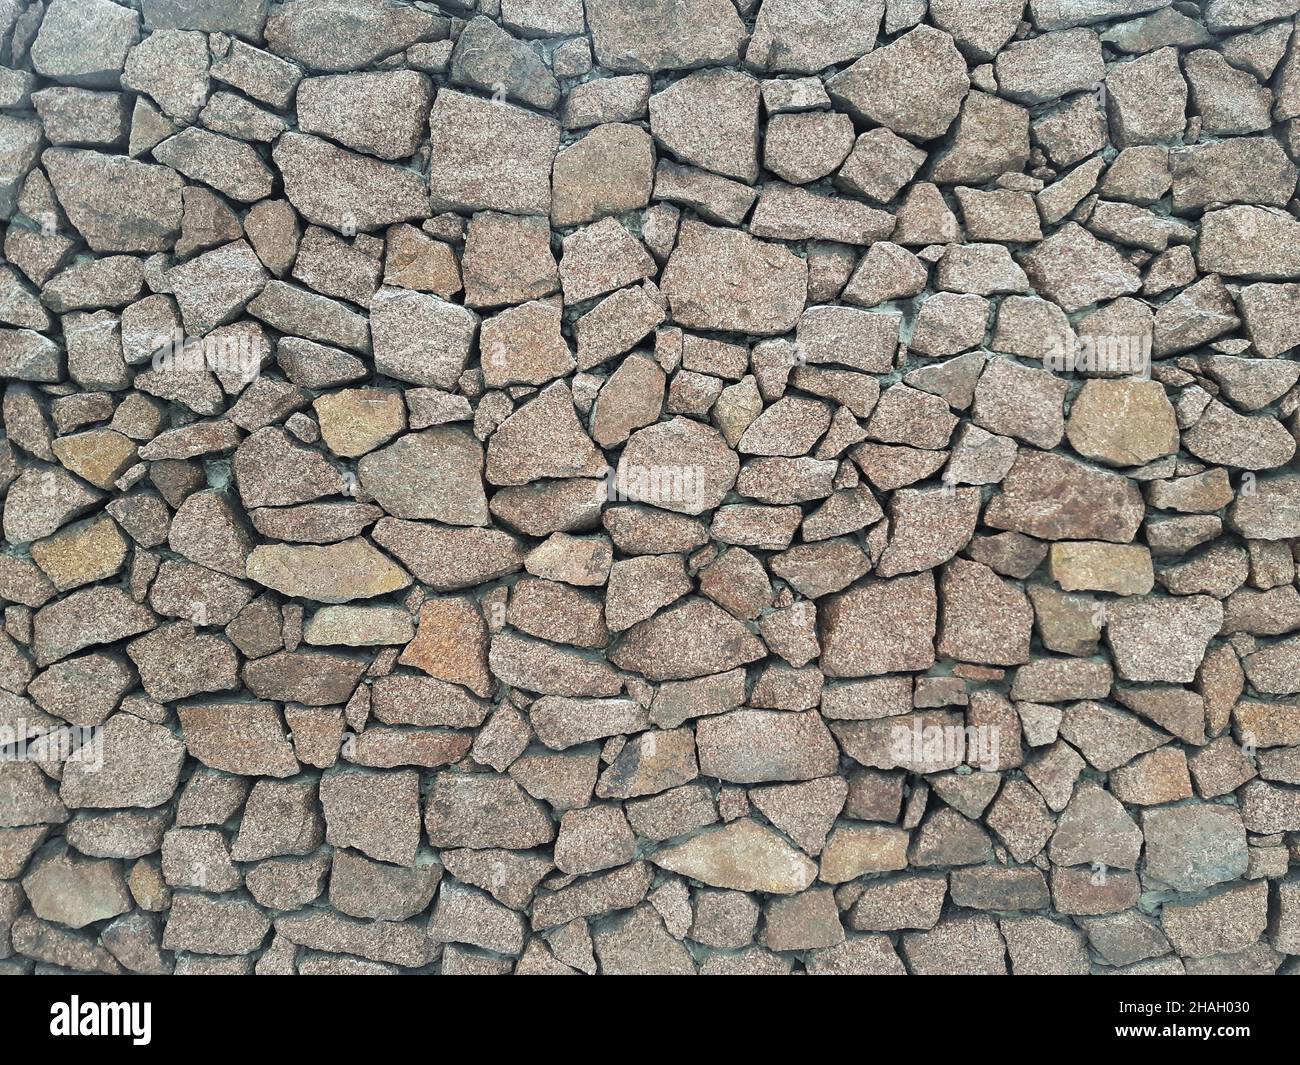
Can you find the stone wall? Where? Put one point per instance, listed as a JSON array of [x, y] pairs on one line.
[[649, 486]]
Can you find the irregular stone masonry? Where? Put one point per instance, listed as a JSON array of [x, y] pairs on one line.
[[638, 486]]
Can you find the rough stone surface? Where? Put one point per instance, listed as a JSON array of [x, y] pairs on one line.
[[642, 486]]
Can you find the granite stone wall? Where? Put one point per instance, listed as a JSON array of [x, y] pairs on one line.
[[649, 486]]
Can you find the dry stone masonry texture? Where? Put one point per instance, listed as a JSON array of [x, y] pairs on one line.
[[650, 486]]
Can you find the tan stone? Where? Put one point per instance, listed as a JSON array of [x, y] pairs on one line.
[[853, 850], [1122, 422], [357, 420], [745, 855], [99, 456], [451, 644], [79, 554], [332, 573], [1095, 566], [358, 626]]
